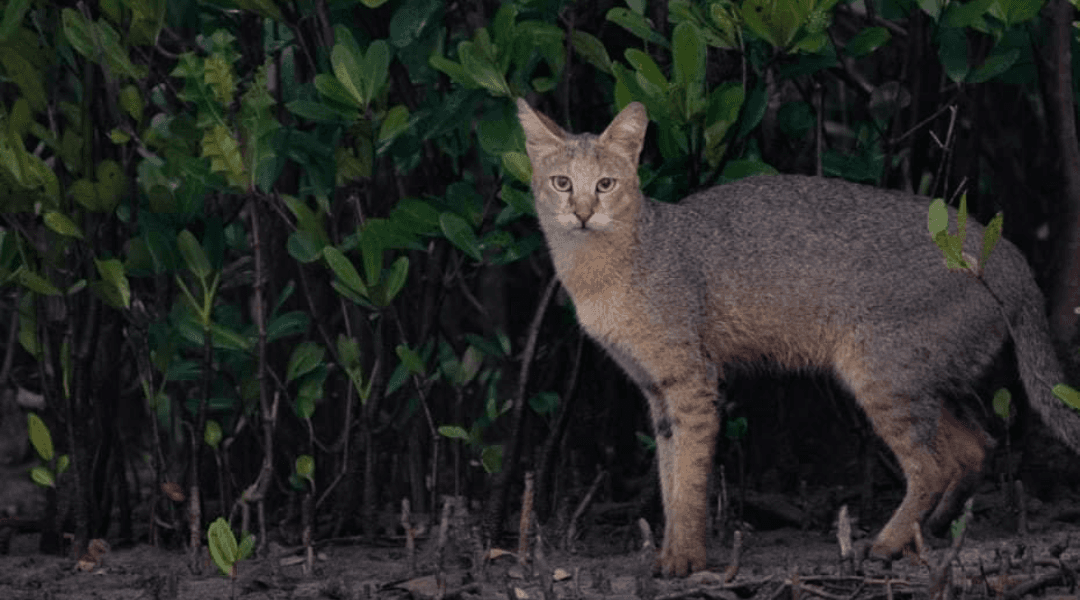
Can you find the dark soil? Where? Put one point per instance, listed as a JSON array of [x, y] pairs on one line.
[[994, 560]]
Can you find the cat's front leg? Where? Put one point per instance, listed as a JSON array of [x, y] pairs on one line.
[[685, 423]]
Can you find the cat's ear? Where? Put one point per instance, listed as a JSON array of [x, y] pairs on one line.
[[542, 135], [626, 134]]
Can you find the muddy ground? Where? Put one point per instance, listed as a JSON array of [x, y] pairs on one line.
[[993, 561]]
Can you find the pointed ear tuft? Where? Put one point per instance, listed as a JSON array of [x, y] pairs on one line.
[[542, 135], [626, 134]]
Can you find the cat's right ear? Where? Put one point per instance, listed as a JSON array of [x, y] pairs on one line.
[[542, 135]]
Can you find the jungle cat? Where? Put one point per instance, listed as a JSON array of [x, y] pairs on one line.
[[800, 272]]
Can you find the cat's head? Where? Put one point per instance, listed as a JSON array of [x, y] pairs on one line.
[[585, 181]]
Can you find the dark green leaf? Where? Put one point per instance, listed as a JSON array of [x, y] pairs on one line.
[[410, 359], [867, 40], [991, 235], [193, 254], [344, 270], [460, 234], [289, 324], [305, 358], [637, 25], [491, 458], [399, 273], [953, 52], [995, 65], [591, 49]]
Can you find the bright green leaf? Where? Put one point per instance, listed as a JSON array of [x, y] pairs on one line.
[[112, 273], [59, 223], [305, 466], [1067, 394], [40, 437], [223, 548], [454, 432], [42, 476], [212, 436], [517, 164]]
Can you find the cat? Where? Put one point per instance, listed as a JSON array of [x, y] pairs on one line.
[[799, 272]]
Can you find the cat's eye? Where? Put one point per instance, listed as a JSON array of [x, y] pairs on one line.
[[606, 184], [561, 183]]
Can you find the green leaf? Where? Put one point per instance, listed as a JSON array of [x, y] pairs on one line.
[[212, 436], [13, 16], [303, 247], [345, 59], [410, 359], [112, 273], [937, 217], [42, 476], [1014, 12], [491, 458], [460, 234], [995, 65], [223, 548], [867, 40], [1067, 394], [454, 432], [1002, 401], [62, 464], [991, 235], [59, 223], [967, 14], [648, 69], [591, 49], [399, 274], [84, 192], [517, 164], [410, 20], [689, 55], [194, 256], [395, 123], [753, 111], [371, 251], [375, 67], [335, 91], [35, 283], [953, 52], [482, 70], [39, 436], [544, 403], [344, 270], [78, 31], [305, 466], [305, 358], [637, 25]]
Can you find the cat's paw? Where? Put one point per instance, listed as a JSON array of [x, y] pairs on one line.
[[679, 562]]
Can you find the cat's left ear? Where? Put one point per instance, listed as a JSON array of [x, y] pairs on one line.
[[626, 134], [542, 135]]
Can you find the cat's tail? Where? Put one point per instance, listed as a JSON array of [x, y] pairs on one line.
[[1040, 371]]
